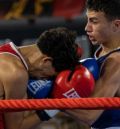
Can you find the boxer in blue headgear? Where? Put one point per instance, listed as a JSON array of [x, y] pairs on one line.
[[103, 28]]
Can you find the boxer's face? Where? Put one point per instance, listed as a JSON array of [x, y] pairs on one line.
[[98, 28]]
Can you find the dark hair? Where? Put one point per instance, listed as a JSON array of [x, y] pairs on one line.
[[59, 43], [111, 8]]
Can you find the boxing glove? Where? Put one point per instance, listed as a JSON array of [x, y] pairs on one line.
[[92, 65], [73, 84], [70, 84], [39, 88]]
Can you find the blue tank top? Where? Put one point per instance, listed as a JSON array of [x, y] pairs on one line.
[[109, 118]]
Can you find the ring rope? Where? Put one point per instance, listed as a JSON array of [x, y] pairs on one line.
[[64, 103]]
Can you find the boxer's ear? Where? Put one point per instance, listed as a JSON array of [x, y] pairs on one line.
[[47, 65], [47, 59], [116, 25]]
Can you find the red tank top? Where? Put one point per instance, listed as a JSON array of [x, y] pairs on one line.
[[10, 48]]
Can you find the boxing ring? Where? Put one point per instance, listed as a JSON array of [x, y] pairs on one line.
[[64, 103]]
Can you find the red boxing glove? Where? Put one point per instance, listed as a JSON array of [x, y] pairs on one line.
[[68, 84]]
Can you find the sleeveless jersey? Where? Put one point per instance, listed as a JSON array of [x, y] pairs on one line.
[[10, 48], [109, 118]]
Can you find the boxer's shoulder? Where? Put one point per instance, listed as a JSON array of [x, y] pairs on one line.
[[12, 70], [116, 56], [10, 63], [112, 60]]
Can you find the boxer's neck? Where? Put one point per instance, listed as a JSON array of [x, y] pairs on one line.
[[30, 53]]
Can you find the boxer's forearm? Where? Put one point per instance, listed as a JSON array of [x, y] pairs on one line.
[[85, 116], [30, 121]]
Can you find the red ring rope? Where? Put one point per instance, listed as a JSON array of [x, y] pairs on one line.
[[72, 103]]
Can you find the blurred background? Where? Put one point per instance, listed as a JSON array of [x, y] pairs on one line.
[[22, 21]]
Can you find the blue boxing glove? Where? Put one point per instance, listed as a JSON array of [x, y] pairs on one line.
[[39, 88], [92, 65]]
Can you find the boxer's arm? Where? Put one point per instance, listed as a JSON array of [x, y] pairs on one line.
[[106, 86], [15, 85], [30, 121]]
